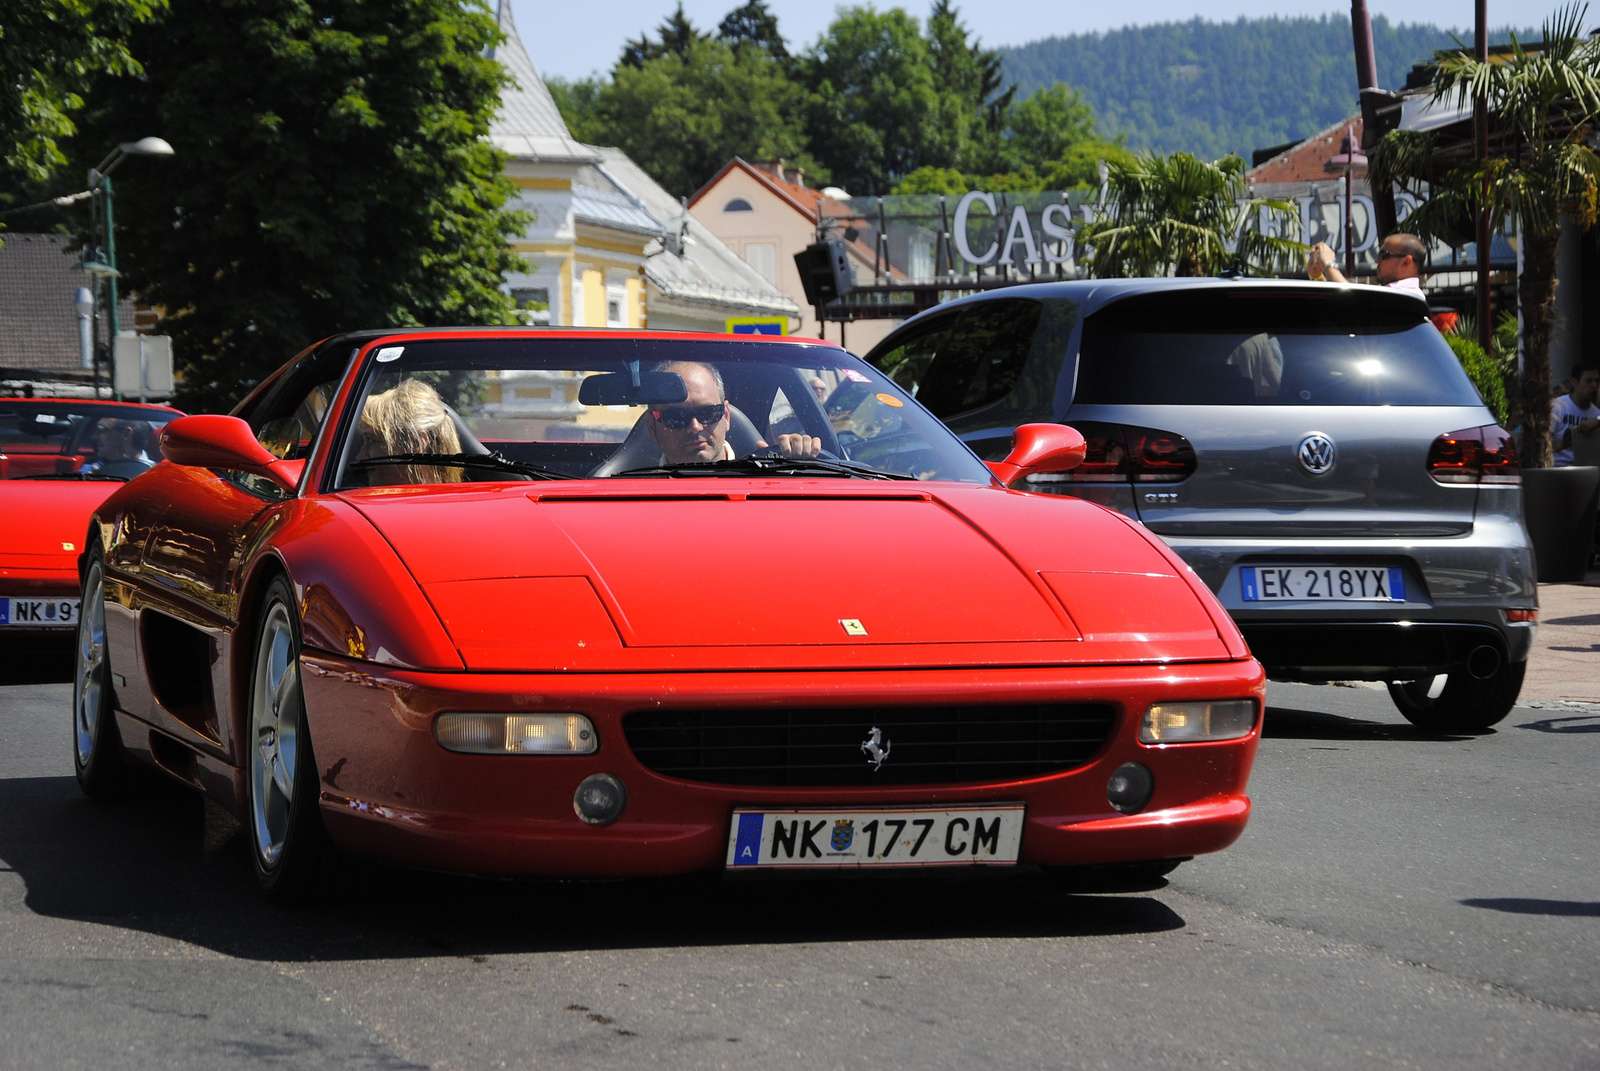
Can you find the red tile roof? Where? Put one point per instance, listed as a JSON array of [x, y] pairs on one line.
[[1304, 162]]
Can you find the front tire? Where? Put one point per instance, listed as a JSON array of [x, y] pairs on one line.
[[97, 756], [1461, 704], [290, 847]]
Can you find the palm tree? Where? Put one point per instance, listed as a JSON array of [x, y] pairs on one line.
[[1542, 104], [1177, 215]]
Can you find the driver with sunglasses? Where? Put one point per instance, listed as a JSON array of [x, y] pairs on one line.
[[696, 429]]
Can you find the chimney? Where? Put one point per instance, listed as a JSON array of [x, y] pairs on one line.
[[798, 176]]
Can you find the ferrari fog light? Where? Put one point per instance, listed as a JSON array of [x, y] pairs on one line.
[[600, 799], [516, 734], [1188, 723], [1130, 787]]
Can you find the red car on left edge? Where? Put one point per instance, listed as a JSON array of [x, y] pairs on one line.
[[59, 459], [590, 603]]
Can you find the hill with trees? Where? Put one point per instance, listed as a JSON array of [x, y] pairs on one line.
[[1211, 88]]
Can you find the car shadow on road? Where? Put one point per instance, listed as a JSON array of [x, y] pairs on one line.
[[143, 864], [1586, 723], [38, 663], [1288, 723], [1525, 906]]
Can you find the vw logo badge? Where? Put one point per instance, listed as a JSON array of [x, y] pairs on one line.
[[1315, 454]]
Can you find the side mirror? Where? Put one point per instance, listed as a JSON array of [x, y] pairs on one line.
[[1039, 448], [225, 442]]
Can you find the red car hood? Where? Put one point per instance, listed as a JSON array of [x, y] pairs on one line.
[[45, 521], [645, 573]]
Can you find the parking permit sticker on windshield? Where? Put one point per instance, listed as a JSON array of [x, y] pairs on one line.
[[889, 399], [390, 353], [853, 376]]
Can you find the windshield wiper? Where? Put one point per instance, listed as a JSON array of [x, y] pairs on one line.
[[73, 476], [496, 461], [769, 465]]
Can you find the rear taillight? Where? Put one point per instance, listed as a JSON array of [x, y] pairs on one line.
[[1118, 454], [1159, 456], [1475, 455]]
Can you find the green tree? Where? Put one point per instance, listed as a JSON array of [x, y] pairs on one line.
[[974, 100], [332, 172], [579, 104], [681, 117], [1540, 168], [1043, 128], [1484, 371], [49, 52], [876, 110], [753, 25], [674, 37], [1181, 216]]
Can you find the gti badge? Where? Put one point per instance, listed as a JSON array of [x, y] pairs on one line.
[[1315, 454], [852, 627], [876, 747]]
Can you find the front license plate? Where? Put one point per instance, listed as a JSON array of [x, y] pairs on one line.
[[913, 836], [38, 613], [1321, 583]]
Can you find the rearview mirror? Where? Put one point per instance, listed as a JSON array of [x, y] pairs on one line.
[[1037, 448], [621, 388], [225, 442]]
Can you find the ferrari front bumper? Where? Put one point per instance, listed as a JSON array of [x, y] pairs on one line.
[[390, 791]]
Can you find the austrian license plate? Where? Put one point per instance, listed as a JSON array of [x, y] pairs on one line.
[[848, 837], [1321, 583], [38, 613]]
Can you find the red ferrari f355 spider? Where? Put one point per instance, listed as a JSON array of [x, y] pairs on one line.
[[602, 603]]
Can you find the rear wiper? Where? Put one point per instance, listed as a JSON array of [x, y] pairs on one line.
[[769, 465], [495, 461], [73, 476]]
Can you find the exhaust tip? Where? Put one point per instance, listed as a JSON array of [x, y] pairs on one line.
[[1483, 662]]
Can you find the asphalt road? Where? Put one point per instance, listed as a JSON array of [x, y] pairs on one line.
[[1398, 901]]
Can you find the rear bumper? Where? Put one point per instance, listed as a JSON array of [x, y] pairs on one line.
[[1458, 589], [390, 791]]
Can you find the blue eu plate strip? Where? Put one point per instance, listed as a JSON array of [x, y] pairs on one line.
[[747, 849], [1247, 577], [1397, 585]]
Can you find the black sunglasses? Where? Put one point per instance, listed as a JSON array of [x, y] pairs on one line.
[[1383, 253], [679, 419]]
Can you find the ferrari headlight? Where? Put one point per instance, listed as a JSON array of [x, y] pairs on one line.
[[516, 734], [1189, 723]]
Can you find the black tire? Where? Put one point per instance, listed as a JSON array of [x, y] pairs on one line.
[[1464, 705], [289, 846], [97, 756], [1113, 877]]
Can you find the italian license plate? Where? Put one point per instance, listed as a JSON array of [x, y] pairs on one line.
[[847, 837], [1321, 583], [38, 613]]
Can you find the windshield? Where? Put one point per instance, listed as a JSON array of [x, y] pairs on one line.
[[457, 410], [41, 439]]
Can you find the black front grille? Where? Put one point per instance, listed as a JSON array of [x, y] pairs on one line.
[[927, 745]]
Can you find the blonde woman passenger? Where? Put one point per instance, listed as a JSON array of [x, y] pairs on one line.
[[411, 418]]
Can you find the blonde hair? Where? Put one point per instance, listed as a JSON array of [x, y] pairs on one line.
[[412, 419]]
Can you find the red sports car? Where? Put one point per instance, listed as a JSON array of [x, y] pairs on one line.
[[59, 459], [603, 603]]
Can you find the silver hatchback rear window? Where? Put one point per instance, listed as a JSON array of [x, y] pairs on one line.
[[1266, 348]]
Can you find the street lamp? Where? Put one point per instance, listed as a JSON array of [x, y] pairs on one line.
[[1350, 162], [101, 261], [85, 303]]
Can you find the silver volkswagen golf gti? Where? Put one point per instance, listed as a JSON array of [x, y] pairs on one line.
[[1315, 453]]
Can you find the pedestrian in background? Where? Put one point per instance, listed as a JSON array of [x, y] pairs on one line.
[[1575, 414], [1400, 260]]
